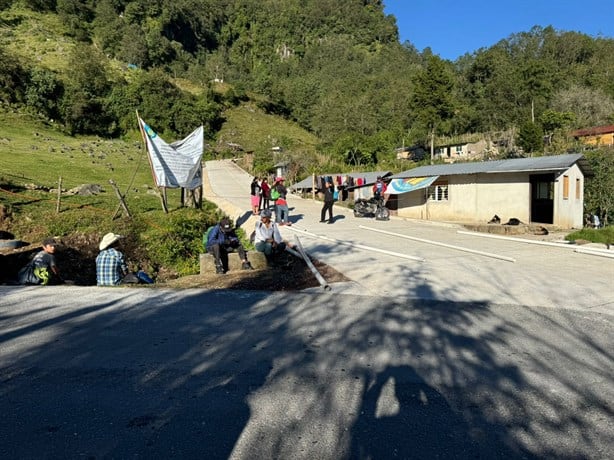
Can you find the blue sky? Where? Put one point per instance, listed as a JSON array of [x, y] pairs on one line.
[[452, 28]]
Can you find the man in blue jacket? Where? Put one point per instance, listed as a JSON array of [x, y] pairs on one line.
[[222, 240]]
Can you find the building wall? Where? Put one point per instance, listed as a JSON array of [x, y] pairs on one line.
[[477, 198], [568, 212], [473, 198], [599, 139]]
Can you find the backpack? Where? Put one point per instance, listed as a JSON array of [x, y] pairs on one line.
[[206, 236], [31, 274], [275, 193]]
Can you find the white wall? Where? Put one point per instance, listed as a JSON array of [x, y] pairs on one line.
[[473, 198], [568, 213]]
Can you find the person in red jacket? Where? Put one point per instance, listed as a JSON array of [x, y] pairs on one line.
[[265, 194], [379, 188]]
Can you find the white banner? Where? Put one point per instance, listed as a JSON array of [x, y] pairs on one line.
[[177, 164]]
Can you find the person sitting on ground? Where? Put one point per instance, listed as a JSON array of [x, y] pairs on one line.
[[222, 239], [111, 268], [279, 193], [267, 238], [42, 269]]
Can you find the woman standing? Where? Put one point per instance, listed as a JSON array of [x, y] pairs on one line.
[[265, 190], [278, 193], [255, 195]]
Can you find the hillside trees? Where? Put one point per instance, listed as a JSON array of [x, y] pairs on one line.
[[167, 109], [432, 98], [599, 190], [590, 106], [83, 105], [334, 67], [44, 93], [12, 78]]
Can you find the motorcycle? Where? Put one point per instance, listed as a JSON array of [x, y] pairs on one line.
[[373, 207]]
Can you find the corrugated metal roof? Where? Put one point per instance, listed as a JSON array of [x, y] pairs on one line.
[[534, 164], [596, 130]]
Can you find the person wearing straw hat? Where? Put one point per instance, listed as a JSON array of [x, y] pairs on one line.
[[111, 268]]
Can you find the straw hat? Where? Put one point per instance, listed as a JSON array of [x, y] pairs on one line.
[[108, 240]]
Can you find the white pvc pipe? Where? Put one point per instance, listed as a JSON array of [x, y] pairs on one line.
[[357, 246], [313, 269], [437, 243]]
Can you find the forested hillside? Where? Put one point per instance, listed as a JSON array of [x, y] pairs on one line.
[[334, 67]]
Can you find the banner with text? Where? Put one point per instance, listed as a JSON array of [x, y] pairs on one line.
[[177, 164]]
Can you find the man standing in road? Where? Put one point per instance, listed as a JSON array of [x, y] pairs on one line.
[[329, 201]]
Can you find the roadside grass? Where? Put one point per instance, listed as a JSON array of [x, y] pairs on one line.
[[603, 235]]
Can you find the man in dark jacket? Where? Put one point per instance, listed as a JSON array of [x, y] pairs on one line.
[[222, 240], [329, 200]]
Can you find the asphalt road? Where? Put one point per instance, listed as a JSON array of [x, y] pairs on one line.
[[148, 373], [429, 352]]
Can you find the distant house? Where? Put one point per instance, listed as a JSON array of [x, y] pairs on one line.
[[414, 153], [281, 169], [547, 190], [598, 135], [461, 151]]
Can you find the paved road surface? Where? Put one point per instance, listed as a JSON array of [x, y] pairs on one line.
[[459, 356]]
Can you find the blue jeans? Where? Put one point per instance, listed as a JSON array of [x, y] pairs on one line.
[[268, 249], [281, 213]]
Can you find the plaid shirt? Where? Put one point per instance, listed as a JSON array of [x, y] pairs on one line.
[[110, 267]]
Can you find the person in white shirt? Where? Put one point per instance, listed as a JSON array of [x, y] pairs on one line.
[[267, 238]]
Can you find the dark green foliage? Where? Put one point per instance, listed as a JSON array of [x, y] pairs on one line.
[[531, 137], [13, 78], [44, 92], [599, 189], [83, 106], [178, 242], [40, 5], [76, 15]]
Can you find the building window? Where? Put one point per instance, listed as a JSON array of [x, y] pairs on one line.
[[459, 149], [565, 187], [438, 191], [578, 189]]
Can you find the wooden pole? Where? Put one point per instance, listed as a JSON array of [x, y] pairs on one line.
[[57, 203], [163, 199], [120, 198], [313, 186], [143, 135]]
